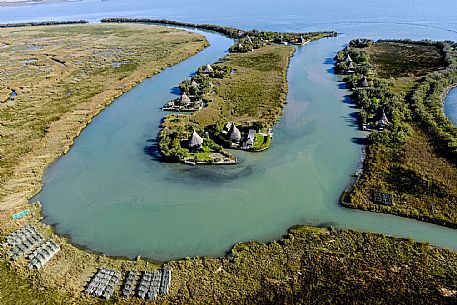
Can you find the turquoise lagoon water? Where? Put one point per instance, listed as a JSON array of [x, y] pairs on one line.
[[111, 194], [450, 106]]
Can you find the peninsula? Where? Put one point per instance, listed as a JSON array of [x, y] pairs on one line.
[[411, 152], [234, 102]]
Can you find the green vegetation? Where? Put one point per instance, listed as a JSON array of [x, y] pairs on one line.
[[252, 39], [247, 88], [412, 155], [254, 95], [40, 23], [320, 266], [251, 93], [261, 142]]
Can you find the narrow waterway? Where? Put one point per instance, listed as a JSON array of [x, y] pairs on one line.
[[450, 106], [111, 194]]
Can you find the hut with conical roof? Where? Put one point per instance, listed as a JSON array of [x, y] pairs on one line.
[[383, 121], [364, 82], [234, 134], [195, 141], [347, 58], [194, 84], [301, 40], [184, 99], [208, 69], [351, 65]]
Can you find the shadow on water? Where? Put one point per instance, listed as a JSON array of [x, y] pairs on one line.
[[153, 150], [348, 100], [342, 85], [328, 224], [329, 61], [352, 120], [359, 140], [175, 90], [208, 174]]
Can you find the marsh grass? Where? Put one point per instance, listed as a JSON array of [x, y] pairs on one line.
[[70, 82], [416, 170], [320, 266]]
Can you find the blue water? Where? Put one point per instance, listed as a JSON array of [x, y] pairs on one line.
[[109, 192], [450, 106]]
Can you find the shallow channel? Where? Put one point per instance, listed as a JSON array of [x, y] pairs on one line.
[[450, 106]]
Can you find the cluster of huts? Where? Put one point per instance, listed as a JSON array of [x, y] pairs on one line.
[[380, 121], [27, 240], [150, 285], [233, 134], [363, 82], [186, 102]]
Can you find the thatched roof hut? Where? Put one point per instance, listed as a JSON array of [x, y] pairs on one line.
[[184, 99], [235, 134], [195, 141], [208, 69], [351, 65], [383, 121], [347, 58], [301, 40], [194, 84], [364, 82]]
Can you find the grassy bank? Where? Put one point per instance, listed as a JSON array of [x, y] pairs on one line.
[[308, 266], [56, 78], [321, 266], [413, 157]]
